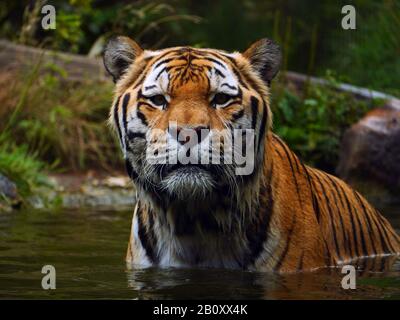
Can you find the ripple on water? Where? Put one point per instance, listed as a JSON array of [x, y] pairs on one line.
[[87, 249]]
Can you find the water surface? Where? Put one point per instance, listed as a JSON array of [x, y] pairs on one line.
[[88, 247]]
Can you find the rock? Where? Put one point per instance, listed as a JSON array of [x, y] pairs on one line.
[[117, 182], [8, 188], [9, 197], [370, 155], [90, 190]]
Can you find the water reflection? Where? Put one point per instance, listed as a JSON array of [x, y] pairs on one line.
[[87, 249], [171, 283]]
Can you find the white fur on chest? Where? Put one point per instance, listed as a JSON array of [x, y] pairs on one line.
[[201, 249], [229, 248]]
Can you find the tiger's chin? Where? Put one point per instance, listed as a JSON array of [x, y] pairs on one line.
[[188, 183]]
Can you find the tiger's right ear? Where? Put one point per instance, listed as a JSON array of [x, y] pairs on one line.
[[120, 52]]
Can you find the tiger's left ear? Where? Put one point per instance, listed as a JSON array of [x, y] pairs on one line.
[[265, 57]]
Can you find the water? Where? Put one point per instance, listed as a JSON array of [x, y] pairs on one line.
[[87, 248]]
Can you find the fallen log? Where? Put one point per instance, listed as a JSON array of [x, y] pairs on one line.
[[15, 57]]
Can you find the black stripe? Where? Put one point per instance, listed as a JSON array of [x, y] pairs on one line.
[[248, 79], [142, 117], [387, 225], [257, 233], [296, 162], [116, 120], [317, 208], [380, 218], [145, 239], [129, 169], [136, 135], [254, 111], [301, 261], [335, 186], [286, 249], [159, 62], [236, 70], [161, 72], [313, 198], [237, 115], [291, 167], [278, 152], [368, 222], [215, 54], [218, 72], [328, 257], [140, 81], [336, 195], [240, 78], [143, 103], [177, 58], [332, 222], [263, 125], [140, 95], [125, 102], [363, 243], [384, 245], [353, 227], [229, 86], [150, 87], [143, 73], [215, 61]]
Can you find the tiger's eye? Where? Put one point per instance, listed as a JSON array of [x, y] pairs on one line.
[[158, 100], [221, 98]]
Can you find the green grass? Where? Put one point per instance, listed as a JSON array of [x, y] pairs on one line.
[[49, 124], [22, 167], [62, 122]]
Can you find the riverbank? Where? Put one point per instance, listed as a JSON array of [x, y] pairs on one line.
[[73, 191]]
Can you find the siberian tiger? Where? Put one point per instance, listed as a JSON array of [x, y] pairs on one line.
[[284, 216]]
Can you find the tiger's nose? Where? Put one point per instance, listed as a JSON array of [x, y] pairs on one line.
[[185, 134]]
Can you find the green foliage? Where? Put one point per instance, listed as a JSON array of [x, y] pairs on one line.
[[309, 31], [68, 32], [23, 167], [81, 25], [17, 162], [145, 20], [369, 56], [313, 122]]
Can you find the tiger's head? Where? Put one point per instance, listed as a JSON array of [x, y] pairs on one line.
[[181, 112]]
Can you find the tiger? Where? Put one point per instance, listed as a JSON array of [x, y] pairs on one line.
[[284, 216]]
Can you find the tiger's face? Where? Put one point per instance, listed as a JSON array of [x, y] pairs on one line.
[[191, 121]]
